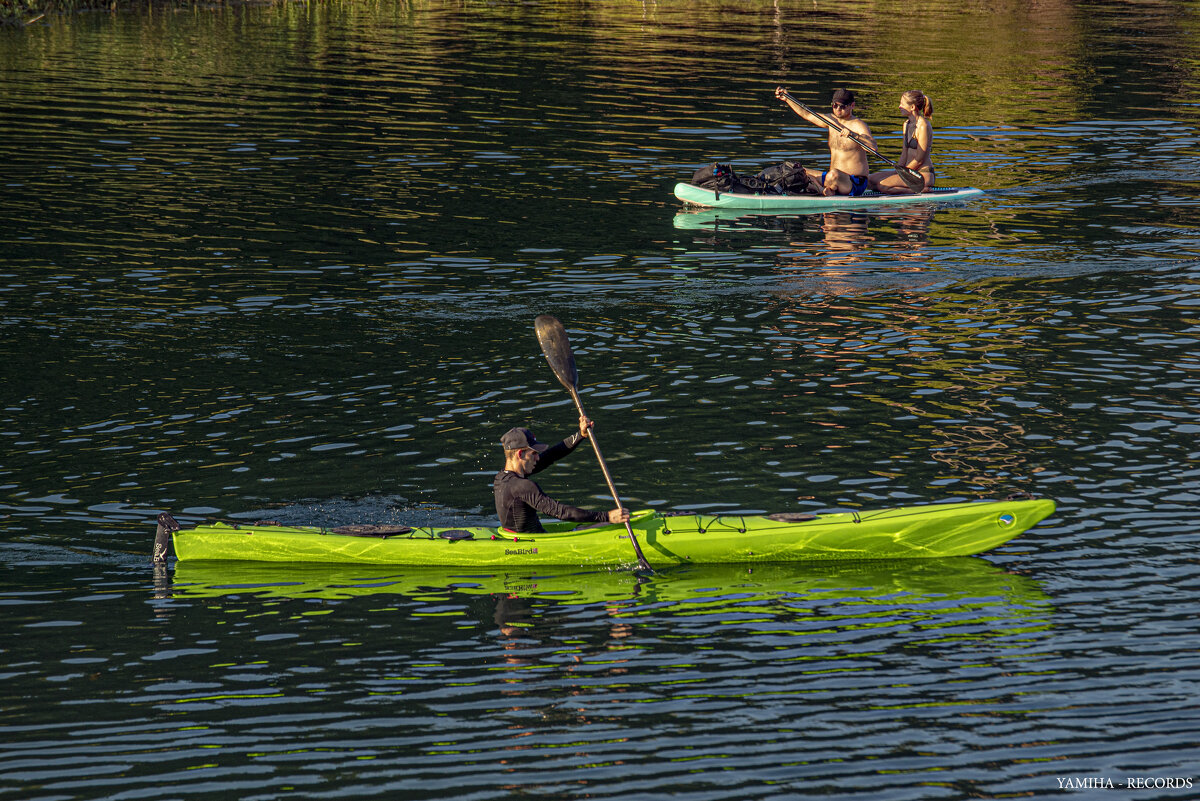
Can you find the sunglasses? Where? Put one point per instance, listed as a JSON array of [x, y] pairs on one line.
[[836, 104]]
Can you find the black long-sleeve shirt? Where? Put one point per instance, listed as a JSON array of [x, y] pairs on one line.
[[519, 499]]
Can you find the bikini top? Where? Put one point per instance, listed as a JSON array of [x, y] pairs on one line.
[[910, 141]]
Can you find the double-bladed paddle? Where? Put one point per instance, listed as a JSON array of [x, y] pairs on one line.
[[914, 179], [553, 339]]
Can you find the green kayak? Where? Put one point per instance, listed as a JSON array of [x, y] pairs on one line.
[[938, 530], [698, 196]]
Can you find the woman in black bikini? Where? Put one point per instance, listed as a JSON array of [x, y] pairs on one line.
[[918, 146]]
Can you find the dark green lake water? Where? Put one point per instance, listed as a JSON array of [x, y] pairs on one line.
[[284, 261]]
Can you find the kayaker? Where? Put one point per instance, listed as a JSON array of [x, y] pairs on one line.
[[848, 170], [518, 499], [916, 154]]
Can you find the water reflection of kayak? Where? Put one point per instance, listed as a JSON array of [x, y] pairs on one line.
[[698, 196], [862, 590], [933, 531]]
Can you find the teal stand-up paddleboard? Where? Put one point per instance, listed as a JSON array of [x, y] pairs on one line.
[[698, 196]]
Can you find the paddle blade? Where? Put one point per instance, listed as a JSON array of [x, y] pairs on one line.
[[914, 179], [553, 339]]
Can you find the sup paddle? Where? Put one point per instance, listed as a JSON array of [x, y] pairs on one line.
[[553, 339], [914, 179]]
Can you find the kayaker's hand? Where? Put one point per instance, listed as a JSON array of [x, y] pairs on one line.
[[780, 92], [616, 516], [584, 424]]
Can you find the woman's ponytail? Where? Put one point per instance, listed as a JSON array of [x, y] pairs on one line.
[[922, 103]]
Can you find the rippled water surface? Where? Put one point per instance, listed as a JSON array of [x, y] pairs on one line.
[[284, 261]]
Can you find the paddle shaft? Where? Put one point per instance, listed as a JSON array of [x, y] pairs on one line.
[[839, 127], [608, 478], [553, 338]]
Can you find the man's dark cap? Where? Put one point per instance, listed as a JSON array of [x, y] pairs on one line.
[[518, 438], [843, 96]]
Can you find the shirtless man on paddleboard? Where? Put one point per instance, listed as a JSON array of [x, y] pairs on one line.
[[848, 171]]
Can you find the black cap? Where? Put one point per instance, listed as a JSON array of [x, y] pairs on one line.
[[844, 96], [518, 438]]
